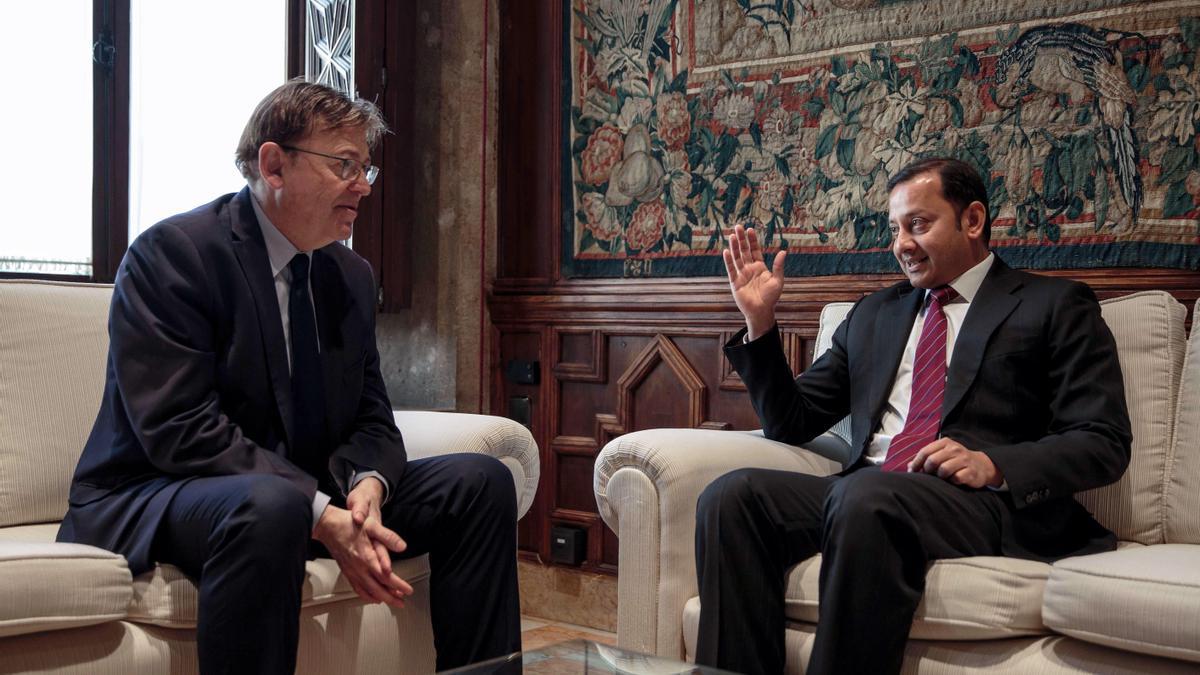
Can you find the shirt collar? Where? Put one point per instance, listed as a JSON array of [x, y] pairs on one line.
[[967, 284], [280, 251]]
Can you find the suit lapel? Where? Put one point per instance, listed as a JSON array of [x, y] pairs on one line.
[[893, 323], [990, 307], [251, 252]]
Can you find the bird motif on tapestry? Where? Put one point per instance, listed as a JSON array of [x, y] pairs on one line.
[[1077, 60]]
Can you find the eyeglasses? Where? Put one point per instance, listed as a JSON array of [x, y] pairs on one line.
[[351, 169]]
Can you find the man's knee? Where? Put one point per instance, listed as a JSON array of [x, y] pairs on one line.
[[864, 494], [726, 496], [272, 510], [492, 482]]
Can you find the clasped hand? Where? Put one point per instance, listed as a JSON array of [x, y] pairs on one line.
[[358, 541]]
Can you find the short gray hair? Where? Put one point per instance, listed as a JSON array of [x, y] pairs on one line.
[[298, 108]]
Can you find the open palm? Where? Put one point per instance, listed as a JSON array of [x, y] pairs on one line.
[[756, 288]]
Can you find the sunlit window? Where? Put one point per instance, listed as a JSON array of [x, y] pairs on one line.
[[46, 170], [197, 70]]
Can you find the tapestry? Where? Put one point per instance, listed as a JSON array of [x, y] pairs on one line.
[[683, 118]]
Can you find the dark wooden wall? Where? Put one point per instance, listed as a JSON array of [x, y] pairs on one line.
[[623, 355]]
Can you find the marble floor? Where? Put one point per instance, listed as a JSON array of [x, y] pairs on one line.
[[537, 633]]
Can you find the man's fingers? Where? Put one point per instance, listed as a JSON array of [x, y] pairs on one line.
[[754, 250], [950, 467], [727, 255], [378, 591], [367, 588], [735, 249], [377, 532], [777, 266]]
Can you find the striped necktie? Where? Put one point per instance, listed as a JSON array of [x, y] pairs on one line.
[[928, 386]]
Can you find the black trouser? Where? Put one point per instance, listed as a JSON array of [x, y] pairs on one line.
[[876, 532], [244, 539]]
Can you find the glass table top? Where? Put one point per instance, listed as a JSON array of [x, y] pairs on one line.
[[583, 656]]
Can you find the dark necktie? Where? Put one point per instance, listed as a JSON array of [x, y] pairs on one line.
[[308, 390], [928, 386]]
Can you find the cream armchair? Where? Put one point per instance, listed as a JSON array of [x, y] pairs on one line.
[[68, 608], [1136, 609]]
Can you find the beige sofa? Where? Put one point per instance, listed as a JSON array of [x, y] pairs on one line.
[[1136, 609], [67, 608]]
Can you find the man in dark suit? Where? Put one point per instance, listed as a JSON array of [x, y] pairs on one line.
[[981, 399], [245, 425]]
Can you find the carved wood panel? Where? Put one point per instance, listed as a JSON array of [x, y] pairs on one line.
[[604, 380]]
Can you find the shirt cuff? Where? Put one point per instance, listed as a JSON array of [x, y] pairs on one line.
[[320, 501], [1003, 487], [359, 476]]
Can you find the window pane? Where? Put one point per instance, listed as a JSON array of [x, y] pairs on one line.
[[197, 69], [46, 175]]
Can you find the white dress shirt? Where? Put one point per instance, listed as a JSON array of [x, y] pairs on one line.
[[280, 252]]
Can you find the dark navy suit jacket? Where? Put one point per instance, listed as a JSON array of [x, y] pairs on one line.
[[197, 379], [1034, 383]]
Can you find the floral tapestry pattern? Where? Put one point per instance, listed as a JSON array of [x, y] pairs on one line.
[[686, 117]]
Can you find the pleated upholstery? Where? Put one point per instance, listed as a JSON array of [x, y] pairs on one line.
[[57, 586], [976, 598], [166, 597], [1148, 328], [1144, 599], [633, 495], [1183, 471], [53, 347], [832, 316], [428, 433], [1039, 655], [344, 637]]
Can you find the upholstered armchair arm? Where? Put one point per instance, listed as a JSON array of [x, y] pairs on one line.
[[646, 485], [428, 434]]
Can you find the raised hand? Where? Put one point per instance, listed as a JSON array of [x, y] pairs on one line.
[[756, 289]]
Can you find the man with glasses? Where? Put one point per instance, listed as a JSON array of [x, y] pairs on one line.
[[245, 425]]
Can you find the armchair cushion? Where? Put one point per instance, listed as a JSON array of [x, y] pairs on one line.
[[1148, 328], [1140, 599], [1183, 471], [975, 598], [429, 433], [53, 344], [166, 597], [50, 586]]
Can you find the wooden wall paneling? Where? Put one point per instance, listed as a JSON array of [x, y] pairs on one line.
[[523, 343], [529, 90]]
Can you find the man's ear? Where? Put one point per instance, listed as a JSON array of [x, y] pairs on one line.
[[973, 219], [270, 164]]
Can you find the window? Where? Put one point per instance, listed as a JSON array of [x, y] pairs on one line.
[[132, 115], [47, 171], [135, 108], [190, 93]]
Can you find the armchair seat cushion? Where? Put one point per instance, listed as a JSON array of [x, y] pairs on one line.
[[1144, 599], [49, 586], [976, 598], [166, 597]]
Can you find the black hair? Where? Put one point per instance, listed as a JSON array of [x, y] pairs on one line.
[[961, 185]]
